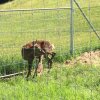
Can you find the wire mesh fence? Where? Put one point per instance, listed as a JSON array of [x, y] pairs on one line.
[[24, 21]]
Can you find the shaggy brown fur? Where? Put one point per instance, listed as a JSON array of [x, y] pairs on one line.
[[37, 49]]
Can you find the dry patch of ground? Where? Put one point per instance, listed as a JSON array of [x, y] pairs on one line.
[[89, 58]]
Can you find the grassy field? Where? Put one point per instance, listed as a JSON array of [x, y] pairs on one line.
[[63, 83], [50, 3]]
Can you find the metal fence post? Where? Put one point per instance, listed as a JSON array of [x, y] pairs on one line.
[[71, 29]]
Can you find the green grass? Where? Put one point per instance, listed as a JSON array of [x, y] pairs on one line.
[[62, 83], [18, 28], [80, 82], [47, 3], [50, 25]]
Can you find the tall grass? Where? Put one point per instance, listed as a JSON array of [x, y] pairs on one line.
[[80, 82]]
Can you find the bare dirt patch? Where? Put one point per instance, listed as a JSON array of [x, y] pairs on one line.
[[89, 58]]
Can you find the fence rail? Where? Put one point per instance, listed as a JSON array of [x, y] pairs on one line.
[[11, 75], [34, 9]]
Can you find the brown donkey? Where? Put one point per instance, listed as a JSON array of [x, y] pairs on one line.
[[38, 49]]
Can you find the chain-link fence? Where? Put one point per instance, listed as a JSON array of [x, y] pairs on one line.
[[24, 21]]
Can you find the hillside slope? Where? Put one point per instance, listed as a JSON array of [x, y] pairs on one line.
[[15, 4]]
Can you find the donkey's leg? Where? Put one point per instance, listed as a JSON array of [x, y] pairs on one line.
[[29, 67], [35, 73], [37, 65], [50, 61]]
